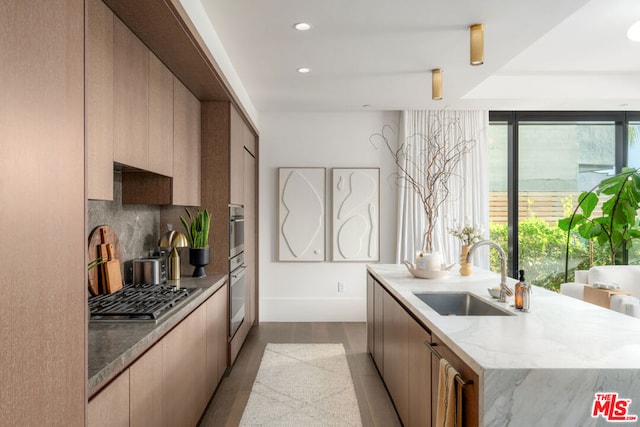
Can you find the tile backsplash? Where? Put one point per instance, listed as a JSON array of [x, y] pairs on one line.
[[137, 226]]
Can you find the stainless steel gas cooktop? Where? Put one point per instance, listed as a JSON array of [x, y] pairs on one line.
[[137, 303]]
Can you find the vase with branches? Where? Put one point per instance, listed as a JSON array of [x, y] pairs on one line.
[[426, 163]]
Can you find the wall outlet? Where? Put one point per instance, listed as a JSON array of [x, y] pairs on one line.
[[340, 287]]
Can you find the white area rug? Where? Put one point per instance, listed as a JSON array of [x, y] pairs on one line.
[[303, 385]]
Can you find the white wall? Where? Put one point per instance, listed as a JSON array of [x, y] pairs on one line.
[[295, 291]]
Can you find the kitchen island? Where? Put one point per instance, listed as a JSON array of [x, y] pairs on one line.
[[543, 367]]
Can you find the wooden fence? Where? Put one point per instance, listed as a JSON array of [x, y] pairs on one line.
[[546, 205]]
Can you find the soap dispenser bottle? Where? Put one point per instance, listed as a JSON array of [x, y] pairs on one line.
[[520, 291], [523, 294]]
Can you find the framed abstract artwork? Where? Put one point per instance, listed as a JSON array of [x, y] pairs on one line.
[[301, 214], [356, 214]]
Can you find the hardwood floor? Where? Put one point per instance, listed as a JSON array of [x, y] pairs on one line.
[[227, 404]]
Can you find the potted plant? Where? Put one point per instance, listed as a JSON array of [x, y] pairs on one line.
[[197, 228], [617, 225], [468, 234]]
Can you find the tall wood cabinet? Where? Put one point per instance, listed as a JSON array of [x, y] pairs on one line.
[[229, 176], [250, 228], [43, 297]]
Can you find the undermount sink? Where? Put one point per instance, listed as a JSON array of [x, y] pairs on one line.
[[460, 304]]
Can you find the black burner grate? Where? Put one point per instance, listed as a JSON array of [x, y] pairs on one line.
[[139, 303]]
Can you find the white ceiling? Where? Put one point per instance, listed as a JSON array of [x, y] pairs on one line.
[[543, 54]]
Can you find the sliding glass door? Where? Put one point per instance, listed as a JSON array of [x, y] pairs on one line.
[[540, 163]]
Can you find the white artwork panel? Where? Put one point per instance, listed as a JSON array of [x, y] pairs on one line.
[[301, 225], [356, 214]]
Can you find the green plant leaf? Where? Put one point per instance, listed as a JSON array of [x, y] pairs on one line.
[[572, 221], [588, 201], [612, 185], [188, 230], [602, 239], [585, 230]]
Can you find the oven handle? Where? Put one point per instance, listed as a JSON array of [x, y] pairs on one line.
[[236, 219], [238, 273]]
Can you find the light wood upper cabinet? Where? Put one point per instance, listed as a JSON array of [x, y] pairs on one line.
[[236, 157], [146, 387], [99, 100], [160, 155], [186, 146], [110, 407], [131, 98]]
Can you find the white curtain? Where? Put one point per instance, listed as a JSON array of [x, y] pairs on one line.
[[469, 187]]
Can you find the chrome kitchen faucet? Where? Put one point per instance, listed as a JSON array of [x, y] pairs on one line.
[[504, 289]]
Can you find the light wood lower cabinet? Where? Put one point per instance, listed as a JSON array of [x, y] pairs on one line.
[[217, 328], [183, 367], [110, 408], [146, 387], [171, 384]]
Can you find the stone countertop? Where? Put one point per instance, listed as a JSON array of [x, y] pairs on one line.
[[114, 346], [539, 368], [559, 331]]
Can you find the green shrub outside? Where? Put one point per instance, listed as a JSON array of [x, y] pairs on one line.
[[542, 252]]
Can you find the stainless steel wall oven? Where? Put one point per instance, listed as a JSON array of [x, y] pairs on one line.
[[237, 269]]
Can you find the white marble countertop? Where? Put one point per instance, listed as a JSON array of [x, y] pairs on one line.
[[559, 332]]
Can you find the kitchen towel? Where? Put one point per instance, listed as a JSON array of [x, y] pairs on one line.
[[447, 406], [303, 385]]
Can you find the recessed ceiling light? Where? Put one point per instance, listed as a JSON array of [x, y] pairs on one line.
[[304, 70], [634, 32], [302, 26]]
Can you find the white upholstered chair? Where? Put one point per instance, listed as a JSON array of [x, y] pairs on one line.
[[626, 277]]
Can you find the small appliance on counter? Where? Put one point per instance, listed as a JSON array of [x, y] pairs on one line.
[[150, 270]]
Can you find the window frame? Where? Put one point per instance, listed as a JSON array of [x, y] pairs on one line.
[[513, 119]]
